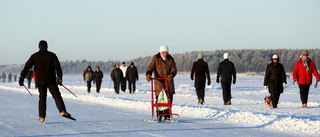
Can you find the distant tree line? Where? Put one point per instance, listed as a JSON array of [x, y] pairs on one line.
[[245, 60]]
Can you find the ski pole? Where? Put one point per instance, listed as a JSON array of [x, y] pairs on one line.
[[190, 85], [27, 89], [290, 84], [68, 90]]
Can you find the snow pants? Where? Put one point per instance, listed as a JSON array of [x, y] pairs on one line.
[[29, 83], [98, 85], [88, 86], [132, 86], [124, 84], [116, 86], [226, 91], [275, 100], [200, 88], [54, 90], [304, 93]]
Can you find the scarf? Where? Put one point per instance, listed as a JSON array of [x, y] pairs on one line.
[[305, 64]]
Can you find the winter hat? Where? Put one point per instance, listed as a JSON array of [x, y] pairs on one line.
[[164, 48], [123, 63], [132, 63], [200, 56], [275, 56], [305, 52], [225, 56]]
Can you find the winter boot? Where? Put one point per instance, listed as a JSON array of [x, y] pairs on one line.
[[229, 102], [41, 119]]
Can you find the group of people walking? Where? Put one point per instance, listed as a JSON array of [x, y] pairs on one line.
[[49, 76], [4, 76]]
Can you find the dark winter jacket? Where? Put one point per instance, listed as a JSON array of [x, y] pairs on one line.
[[162, 69], [97, 76], [29, 74], [226, 69], [46, 66], [201, 70], [116, 75], [274, 78], [88, 75], [300, 73], [132, 74]]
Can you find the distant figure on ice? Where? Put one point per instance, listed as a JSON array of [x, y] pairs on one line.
[[275, 79], [46, 65], [201, 70], [132, 76], [163, 66], [123, 68], [4, 77], [88, 77], [226, 69], [15, 77], [97, 78], [29, 77], [116, 76], [10, 77], [302, 73]]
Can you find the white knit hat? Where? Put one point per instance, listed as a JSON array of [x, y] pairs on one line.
[[275, 56], [164, 48], [200, 56], [225, 56]]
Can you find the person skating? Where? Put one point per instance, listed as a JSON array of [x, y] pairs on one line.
[[132, 76], [163, 66], [47, 66], [97, 77], [226, 70], [15, 77], [88, 77], [116, 76], [275, 79], [200, 71], [29, 77], [10, 77], [302, 74], [4, 77], [123, 68]]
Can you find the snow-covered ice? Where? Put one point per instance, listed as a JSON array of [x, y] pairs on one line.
[[109, 114]]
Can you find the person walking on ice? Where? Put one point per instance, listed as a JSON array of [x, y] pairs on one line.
[[47, 66]]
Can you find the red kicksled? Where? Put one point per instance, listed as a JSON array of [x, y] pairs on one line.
[[154, 104]]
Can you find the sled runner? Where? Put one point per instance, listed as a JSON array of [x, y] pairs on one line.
[[162, 104]]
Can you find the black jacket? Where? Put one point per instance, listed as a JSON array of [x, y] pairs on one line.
[[132, 74], [29, 74], [97, 76], [46, 66], [201, 70], [226, 69], [88, 75], [274, 78]]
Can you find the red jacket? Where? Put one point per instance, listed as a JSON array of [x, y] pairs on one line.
[[300, 73]]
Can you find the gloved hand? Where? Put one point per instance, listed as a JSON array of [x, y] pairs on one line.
[[295, 80], [234, 81], [284, 85], [59, 81], [21, 80], [265, 87], [217, 80], [209, 82], [170, 77], [148, 77]]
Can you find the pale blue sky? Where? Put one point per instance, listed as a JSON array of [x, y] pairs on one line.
[[125, 29]]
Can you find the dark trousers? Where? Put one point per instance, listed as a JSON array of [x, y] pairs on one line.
[[29, 83], [166, 111], [132, 84], [226, 91], [124, 84], [88, 86], [98, 85], [200, 86], [116, 86], [54, 90], [304, 93], [275, 100]]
